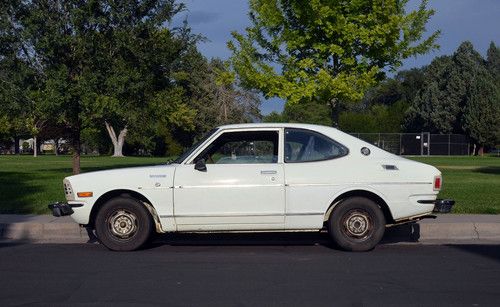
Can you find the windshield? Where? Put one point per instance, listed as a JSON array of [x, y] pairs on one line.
[[190, 150]]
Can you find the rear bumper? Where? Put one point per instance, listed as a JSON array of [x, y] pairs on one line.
[[62, 209], [440, 205]]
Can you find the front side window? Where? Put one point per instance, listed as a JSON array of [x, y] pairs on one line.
[[246, 147], [305, 146]]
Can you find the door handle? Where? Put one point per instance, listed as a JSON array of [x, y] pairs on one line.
[[268, 172]]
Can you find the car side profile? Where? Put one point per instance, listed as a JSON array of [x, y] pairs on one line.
[[259, 177]]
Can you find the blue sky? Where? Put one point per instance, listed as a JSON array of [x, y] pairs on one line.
[[475, 20]]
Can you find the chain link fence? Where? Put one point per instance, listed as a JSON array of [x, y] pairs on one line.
[[418, 144]]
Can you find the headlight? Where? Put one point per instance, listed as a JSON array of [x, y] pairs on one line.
[[68, 190]]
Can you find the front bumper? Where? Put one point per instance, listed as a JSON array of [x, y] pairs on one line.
[[440, 205], [62, 209]]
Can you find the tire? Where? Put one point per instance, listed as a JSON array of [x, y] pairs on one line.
[[356, 224], [123, 224]]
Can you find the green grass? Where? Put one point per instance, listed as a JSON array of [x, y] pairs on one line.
[[473, 182], [28, 184]]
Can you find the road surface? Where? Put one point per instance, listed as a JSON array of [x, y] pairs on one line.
[[249, 270]]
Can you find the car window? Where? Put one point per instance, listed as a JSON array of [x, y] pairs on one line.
[[304, 145], [246, 147]]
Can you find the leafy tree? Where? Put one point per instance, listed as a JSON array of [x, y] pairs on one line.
[[103, 63], [309, 112], [482, 112], [140, 58], [274, 117], [493, 65], [20, 78], [402, 87], [459, 95], [378, 118], [328, 51], [437, 106], [215, 94], [493, 60]]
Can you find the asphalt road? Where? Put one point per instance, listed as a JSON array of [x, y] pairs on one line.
[[294, 270]]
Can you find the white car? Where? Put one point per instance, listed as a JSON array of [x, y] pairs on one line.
[[259, 177]]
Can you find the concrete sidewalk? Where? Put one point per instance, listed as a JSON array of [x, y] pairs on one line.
[[445, 229]]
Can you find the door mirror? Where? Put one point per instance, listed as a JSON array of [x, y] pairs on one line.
[[200, 165]]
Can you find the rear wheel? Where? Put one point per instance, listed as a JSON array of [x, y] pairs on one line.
[[356, 224], [123, 224]]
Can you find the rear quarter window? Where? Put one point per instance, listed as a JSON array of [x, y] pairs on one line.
[[303, 145]]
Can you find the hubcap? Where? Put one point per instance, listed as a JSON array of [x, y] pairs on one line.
[[357, 224], [123, 224]]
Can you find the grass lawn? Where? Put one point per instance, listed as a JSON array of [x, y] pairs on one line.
[[28, 184], [473, 182]]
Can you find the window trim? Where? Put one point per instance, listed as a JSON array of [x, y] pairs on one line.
[[317, 133], [214, 138]]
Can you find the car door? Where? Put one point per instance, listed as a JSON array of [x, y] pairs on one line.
[[315, 171], [242, 187]]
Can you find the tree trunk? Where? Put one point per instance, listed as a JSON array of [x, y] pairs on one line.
[[76, 153], [35, 151], [16, 145], [117, 141], [480, 151], [56, 147], [334, 112]]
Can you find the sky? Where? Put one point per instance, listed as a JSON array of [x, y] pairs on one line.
[[475, 20]]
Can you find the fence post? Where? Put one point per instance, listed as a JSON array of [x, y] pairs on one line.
[[400, 143], [449, 140], [422, 143]]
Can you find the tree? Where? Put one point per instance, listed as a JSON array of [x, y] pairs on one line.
[[482, 112], [103, 63], [493, 61], [328, 51], [20, 78], [377, 118], [459, 95], [309, 112], [216, 96], [140, 59], [436, 106]]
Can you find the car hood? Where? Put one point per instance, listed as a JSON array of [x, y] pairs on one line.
[[133, 178]]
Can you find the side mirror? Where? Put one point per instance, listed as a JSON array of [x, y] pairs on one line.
[[200, 165]]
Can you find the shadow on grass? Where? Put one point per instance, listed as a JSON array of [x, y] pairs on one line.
[[495, 170], [15, 187]]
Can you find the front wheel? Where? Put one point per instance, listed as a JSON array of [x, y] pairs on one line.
[[356, 224], [123, 224]]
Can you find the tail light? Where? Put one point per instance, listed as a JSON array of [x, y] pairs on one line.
[[438, 182]]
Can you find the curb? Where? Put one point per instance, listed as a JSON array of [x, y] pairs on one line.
[[40, 229], [446, 229], [38, 232]]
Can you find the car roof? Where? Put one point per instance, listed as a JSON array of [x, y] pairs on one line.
[[274, 125]]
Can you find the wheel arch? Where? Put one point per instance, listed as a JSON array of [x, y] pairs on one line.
[[124, 193], [362, 193]]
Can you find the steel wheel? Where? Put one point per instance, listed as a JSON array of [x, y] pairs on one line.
[[123, 224], [356, 224]]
